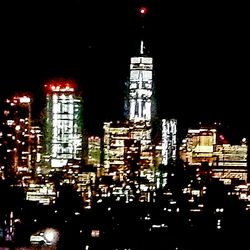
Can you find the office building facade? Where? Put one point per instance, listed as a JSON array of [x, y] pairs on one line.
[[63, 122], [15, 140]]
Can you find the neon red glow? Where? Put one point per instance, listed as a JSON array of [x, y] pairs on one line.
[[222, 137], [60, 85], [143, 10]]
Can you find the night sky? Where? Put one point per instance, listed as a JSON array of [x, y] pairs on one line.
[[200, 53]]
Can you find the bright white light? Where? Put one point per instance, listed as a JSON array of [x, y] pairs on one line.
[[95, 233], [142, 10], [50, 234], [18, 127], [24, 99]]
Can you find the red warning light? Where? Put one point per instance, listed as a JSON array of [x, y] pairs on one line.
[[143, 10]]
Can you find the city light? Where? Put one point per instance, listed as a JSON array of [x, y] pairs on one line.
[[128, 181]]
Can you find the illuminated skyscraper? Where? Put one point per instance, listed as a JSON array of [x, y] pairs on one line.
[[125, 144], [169, 129], [139, 102], [226, 162], [15, 146], [64, 122], [140, 88], [128, 145], [114, 141], [36, 138]]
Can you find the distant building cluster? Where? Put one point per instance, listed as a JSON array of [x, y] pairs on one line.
[[175, 184], [33, 152], [206, 147]]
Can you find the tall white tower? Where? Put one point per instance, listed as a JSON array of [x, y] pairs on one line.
[[140, 87]]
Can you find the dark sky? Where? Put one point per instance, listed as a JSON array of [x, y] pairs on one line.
[[200, 52]]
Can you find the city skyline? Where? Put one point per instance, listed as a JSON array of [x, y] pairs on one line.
[[197, 52], [123, 125]]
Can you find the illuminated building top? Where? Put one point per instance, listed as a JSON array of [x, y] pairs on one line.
[[140, 88], [60, 86]]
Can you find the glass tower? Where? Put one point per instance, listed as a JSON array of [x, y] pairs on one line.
[[64, 126], [140, 88]]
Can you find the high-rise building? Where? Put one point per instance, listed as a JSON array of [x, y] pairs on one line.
[[198, 146], [230, 162], [140, 88], [15, 143], [169, 130], [124, 147], [36, 147], [139, 103], [64, 126], [115, 135], [129, 145], [94, 151], [203, 147]]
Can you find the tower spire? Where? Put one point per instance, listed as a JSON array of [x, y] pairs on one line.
[[140, 87], [141, 48], [142, 11]]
